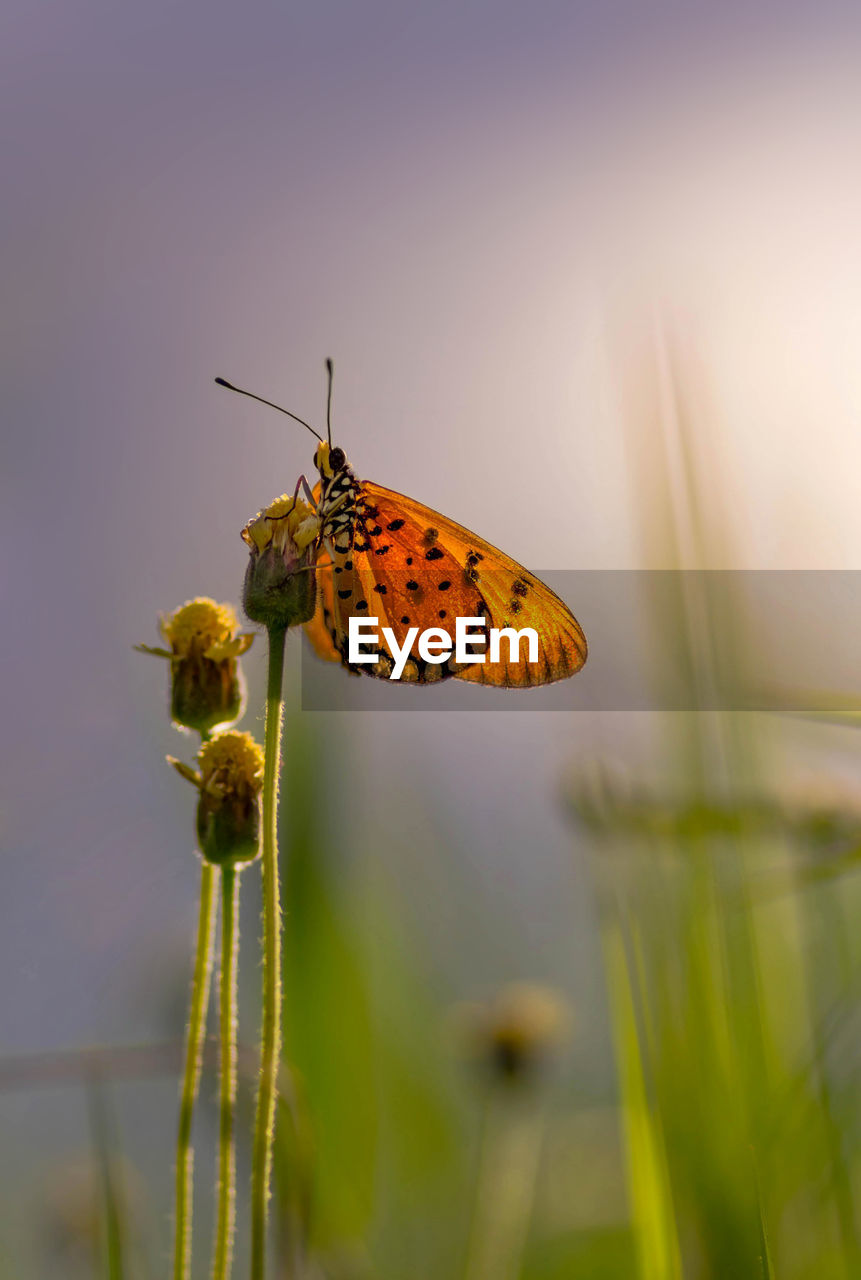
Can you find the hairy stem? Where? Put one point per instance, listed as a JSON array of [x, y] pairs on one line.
[[226, 1212], [270, 1041], [191, 1076]]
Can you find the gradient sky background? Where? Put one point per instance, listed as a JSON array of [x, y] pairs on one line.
[[493, 217]]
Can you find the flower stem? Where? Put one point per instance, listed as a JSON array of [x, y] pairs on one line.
[[227, 1104], [191, 1076], [513, 1130], [270, 1046]]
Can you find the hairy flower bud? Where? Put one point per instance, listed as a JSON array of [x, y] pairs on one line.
[[229, 780], [205, 645], [280, 588]]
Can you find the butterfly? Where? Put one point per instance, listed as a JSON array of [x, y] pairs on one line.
[[383, 555]]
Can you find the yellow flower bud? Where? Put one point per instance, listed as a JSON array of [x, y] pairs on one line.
[[204, 647], [280, 588], [229, 780]]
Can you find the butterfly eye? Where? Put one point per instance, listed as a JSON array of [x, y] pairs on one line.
[[337, 458]]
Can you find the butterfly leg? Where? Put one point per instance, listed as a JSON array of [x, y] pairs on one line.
[[302, 483]]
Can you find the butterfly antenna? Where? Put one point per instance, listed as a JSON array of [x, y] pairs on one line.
[[222, 382], [330, 371]]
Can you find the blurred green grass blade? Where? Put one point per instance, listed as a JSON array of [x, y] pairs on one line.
[[103, 1137], [823, 707], [328, 1033], [602, 1253], [764, 1235], [375, 1145], [428, 1115], [293, 1164], [648, 1180]]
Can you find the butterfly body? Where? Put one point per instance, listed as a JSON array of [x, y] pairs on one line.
[[383, 555]]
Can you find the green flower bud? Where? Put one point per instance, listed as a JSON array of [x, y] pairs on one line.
[[228, 810], [206, 683], [280, 588]]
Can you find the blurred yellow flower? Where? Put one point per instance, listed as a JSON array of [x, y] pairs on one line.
[[517, 1031]]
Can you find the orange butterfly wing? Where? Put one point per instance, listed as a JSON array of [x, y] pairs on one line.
[[319, 629], [409, 566]]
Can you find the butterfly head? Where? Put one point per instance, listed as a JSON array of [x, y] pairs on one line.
[[329, 461]]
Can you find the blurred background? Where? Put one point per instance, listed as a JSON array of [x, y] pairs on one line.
[[590, 277]]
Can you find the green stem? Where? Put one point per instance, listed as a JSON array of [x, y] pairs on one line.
[[191, 1076], [104, 1141], [270, 1041], [227, 1019], [512, 1133]]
